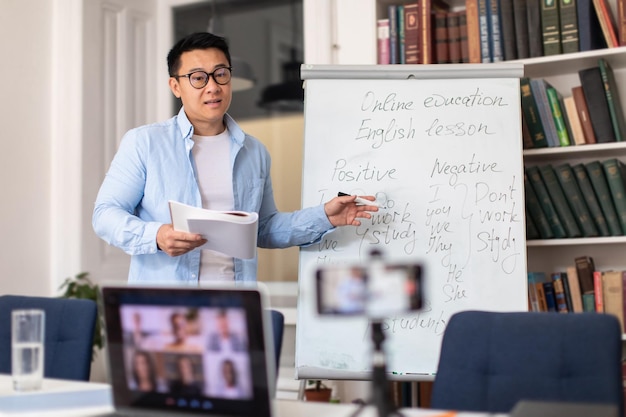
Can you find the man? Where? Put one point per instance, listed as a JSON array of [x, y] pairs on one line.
[[202, 158]]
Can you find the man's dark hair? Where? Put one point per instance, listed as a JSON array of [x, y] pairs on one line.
[[198, 40]]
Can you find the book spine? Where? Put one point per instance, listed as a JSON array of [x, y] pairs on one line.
[[535, 34], [583, 114], [538, 185], [401, 34], [550, 27], [538, 88], [548, 289], [624, 307], [527, 140], [441, 39], [586, 189], [574, 287], [559, 293], [483, 20], [614, 171], [621, 22], [531, 114], [560, 201], [589, 30], [578, 135], [585, 268], [473, 31], [495, 27], [578, 206], [383, 41], [541, 297], [426, 33], [595, 171], [531, 229], [589, 302], [463, 36], [411, 28], [604, 17], [593, 87], [454, 37], [392, 15], [534, 210], [557, 115], [569, 26], [521, 29], [567, 291], [507, 20], [597, 291], [533, 300], [612, 295], [613, 101]]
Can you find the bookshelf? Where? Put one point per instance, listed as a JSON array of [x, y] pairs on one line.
[[344, 32]]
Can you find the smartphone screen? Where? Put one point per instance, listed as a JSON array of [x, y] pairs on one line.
[[373, 291]]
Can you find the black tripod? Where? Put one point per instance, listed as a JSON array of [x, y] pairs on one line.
[[381, 393]]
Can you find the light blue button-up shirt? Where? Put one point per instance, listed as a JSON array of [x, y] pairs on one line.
[[154, 164]]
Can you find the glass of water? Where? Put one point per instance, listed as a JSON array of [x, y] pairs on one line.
[[27, 349]]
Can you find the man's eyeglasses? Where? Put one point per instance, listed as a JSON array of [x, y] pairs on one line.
[[199, 79]]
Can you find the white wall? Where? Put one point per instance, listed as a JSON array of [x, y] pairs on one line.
[[25, 118]]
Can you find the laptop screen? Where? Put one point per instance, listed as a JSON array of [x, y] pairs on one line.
[[195, 350]]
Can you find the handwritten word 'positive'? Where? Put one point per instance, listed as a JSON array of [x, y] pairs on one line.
[[343, 172]]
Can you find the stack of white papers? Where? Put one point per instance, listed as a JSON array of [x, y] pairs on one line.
[[233, 233]]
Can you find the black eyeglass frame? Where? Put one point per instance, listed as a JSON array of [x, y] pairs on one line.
[[209, 75]]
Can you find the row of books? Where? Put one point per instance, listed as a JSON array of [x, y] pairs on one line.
[[580, 288], [590, 113], [583, 200], [429, 31]]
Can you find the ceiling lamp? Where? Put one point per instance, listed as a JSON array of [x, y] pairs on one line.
[[287, 96], [243, 76]]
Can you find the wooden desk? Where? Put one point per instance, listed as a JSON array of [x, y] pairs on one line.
[[60, 398], [283, 408]]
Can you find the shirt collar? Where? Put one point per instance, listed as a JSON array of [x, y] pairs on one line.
[[186, 128]]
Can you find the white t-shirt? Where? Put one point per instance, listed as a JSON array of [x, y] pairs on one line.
[[215, 180]]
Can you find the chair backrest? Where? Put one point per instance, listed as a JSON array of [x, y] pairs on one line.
[[278, 325], [69, 331], [489, 361]]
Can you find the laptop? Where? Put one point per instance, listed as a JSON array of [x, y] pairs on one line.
[[528, 408], [188, 351]]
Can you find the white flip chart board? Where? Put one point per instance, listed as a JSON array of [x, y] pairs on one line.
[[440, 147]]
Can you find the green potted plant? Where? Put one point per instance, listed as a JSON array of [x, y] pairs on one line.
[[318, 392], [80, 286]]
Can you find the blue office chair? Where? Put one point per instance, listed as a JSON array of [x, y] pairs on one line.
[[278, 325], [68, 340], [489, 361]]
